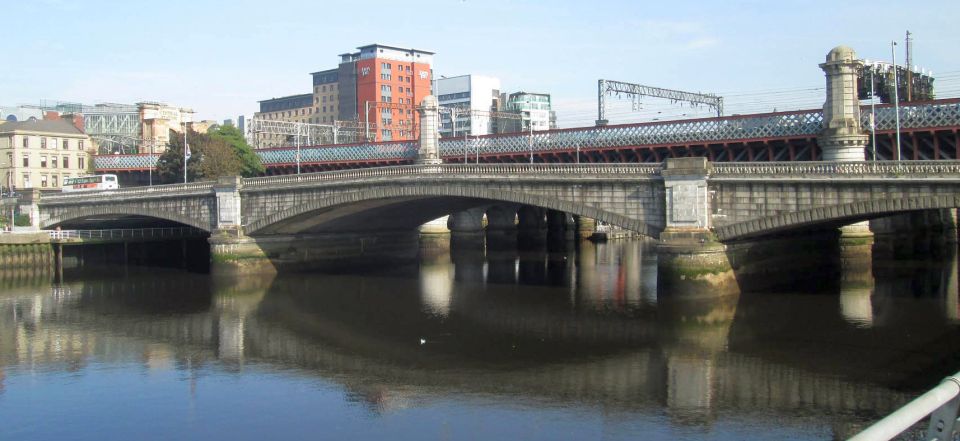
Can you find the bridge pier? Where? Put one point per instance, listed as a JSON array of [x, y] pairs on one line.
[[502, 218], [466, 222], [585, 226], [691, 261], [560, 224]]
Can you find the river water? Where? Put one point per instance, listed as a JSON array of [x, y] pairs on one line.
[[552, 343]]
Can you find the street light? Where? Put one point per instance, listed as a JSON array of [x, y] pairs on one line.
[[186, 152], [873, 112], [530, 139], [896, 94]]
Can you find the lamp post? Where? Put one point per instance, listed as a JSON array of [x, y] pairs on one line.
[[873, 118], [896, 95], [530, 139], [186, 151]]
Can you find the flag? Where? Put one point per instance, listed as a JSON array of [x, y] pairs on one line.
[[186, 153]]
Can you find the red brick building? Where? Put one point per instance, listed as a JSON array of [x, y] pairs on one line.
[[380, 88]]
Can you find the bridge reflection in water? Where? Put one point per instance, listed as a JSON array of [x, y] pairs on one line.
[[578, 327]]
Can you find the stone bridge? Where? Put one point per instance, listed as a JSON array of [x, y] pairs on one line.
[[735, 201], [693, 206]]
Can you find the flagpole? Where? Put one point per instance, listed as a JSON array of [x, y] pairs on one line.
[[186, 152]]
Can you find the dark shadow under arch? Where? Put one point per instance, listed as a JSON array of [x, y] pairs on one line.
[[472, 192]]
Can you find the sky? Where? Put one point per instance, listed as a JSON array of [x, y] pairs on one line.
[[220, 58]]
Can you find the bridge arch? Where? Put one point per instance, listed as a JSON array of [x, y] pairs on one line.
[[821, 215], [477, 192], [78, 213]]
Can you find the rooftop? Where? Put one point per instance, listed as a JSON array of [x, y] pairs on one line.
[[42, 126], [395, 48], [288, 97]]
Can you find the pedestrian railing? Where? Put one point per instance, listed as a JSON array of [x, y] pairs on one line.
[[459, 170], [940, 403], [814, 168], [128, 233]]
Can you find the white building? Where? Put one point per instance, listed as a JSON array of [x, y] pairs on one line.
[[477, 93]]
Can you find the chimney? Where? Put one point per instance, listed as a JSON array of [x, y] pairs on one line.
[[51, 115]]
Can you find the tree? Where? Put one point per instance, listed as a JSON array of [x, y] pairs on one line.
[[217, 158], [170, 163], [223, 152], [249, 161]]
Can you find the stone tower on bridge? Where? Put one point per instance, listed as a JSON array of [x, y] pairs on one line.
[[429, 152], [842, 138]]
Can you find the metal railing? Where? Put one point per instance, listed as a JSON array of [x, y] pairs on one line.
[[128, 233], [803, 123], [192, 187], [459, 170], [940, 403], [835, 168]]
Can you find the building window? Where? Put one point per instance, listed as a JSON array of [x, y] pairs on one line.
[[53, 181], [66, 161], [26, 143], [323, 88], [43, 180], [81, 146], [324, 98], [43, 162], [10, 159], [66, 144], [26, 181], [80, 163], [26, 160], [53, 162], [43, 143]]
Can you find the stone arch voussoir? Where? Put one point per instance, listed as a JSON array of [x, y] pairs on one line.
[[478, 192], [819, 215], [108, 210]]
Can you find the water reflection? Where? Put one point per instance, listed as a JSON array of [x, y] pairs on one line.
[[576, 326]]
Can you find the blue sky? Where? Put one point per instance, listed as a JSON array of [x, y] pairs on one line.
[[219, 58]]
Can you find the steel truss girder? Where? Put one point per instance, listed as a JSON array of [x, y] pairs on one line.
[[786, 125]]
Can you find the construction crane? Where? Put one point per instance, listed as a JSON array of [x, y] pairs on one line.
[[605, 87]]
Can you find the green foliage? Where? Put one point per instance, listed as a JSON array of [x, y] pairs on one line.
[[249, 161], [222, 152], [170, 163], [21, 220]]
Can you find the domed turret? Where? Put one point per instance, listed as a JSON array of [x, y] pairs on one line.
[[842, 138], [429, 101], [841, 53]]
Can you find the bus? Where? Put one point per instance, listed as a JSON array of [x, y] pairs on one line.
[[90, 183]]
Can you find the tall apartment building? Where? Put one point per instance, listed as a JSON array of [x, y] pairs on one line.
[[381, 86], [534, 110], [473, 97], [326, 94], [40, 153]]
